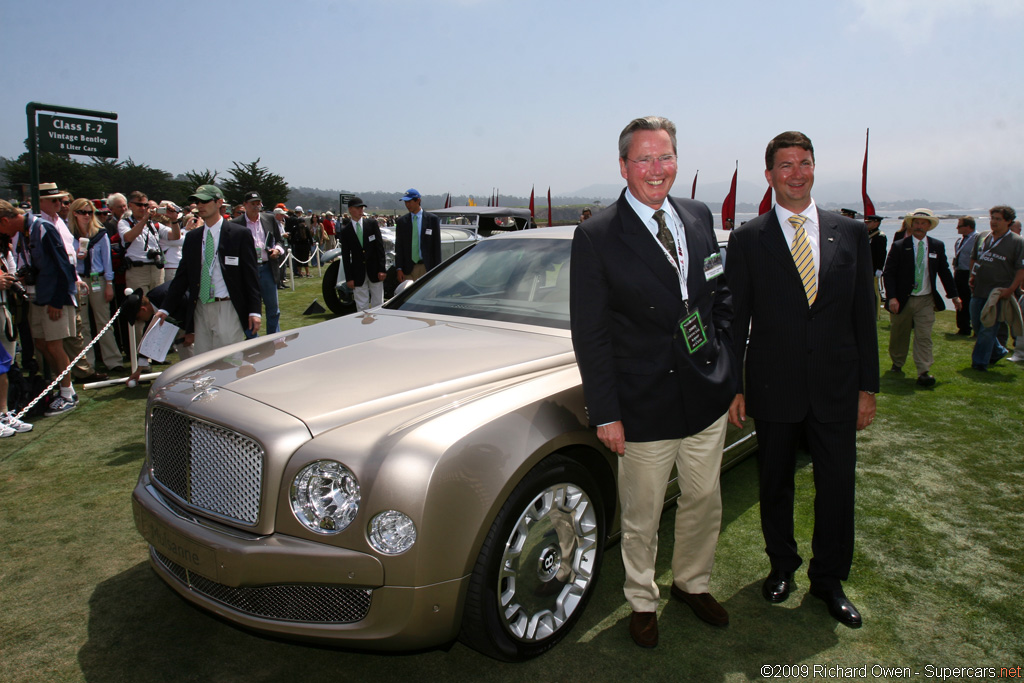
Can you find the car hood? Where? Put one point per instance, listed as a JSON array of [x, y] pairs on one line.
[[358, 366]]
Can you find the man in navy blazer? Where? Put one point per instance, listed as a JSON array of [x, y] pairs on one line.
[[811, 366], [232, 295], [416, 254], [911, 295], [267, 237], [650, 319], [363, 256]]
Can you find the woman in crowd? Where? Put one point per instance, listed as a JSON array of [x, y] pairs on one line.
[[97, 276]]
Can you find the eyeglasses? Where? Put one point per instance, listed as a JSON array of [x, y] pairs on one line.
[[141, 204], [203, 201], [83, 213], [65, 202], [648, 162], [103, 213]]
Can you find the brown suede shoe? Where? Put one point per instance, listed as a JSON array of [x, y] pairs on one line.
[[703, 605], [643, 628]]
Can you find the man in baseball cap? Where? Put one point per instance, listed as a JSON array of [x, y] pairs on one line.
[[417, 239]]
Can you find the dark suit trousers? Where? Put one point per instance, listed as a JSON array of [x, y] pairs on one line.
[[833, 447], [962, 279]]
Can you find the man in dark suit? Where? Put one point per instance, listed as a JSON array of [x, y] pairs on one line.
[[911, 296], [362, 256], [878, 242], [801, 281], [650, 319], [218, 269], [267, 237], [417, 239]]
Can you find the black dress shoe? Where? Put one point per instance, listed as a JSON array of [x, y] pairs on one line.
[[925, 380], [778, 585], [839, 606], [897, 369]]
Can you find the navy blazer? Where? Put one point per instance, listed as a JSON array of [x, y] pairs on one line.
[[626, 309], [430, 243], [362, 260], [802, 359], [242, 280], [900, 266]]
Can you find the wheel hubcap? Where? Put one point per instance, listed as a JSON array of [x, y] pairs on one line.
[[548, 563]]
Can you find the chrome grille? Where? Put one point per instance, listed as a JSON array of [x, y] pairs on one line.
[[207, 466], [305, 603]]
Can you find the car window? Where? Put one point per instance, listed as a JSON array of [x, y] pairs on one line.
[[522, 280]]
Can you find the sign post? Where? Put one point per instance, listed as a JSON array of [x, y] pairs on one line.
[[66, 135], [343, 199]]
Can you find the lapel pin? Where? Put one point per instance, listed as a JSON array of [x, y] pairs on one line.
[[831, 239]]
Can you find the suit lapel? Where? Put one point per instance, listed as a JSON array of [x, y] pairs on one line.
[[639, 239], [775, 246], [829, 237]]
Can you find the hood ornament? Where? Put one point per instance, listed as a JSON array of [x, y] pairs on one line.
[[204, 388]]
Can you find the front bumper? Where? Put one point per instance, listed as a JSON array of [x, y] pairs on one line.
[[292, 587]]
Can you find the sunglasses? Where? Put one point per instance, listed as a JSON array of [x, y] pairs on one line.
[[143, 204], [83, 213]]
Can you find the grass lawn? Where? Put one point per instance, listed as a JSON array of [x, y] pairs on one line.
[[937, 571]]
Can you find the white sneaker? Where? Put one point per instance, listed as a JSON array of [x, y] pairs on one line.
[[6, 431], [9, 420], [1018, 355]]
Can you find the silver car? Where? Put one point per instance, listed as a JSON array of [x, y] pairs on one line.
[[395, 479]]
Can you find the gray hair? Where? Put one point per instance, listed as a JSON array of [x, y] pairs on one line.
[[645, 123], [117, 195]]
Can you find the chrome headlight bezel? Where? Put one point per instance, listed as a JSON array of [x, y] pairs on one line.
[[391, 532], [325, 497]]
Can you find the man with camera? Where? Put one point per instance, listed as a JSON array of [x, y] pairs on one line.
[[143, 257]]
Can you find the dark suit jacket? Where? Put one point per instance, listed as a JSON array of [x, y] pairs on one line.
[[878, 241], [362, 260], [898, 274], [802, 360], [626, 307], [273, 239], [430, 242], [242, 280]]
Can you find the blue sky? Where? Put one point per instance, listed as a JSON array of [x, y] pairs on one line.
[[466, 95]]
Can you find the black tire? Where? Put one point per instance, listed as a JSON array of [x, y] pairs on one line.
[[538, 565], [340, 301], [390, 283]]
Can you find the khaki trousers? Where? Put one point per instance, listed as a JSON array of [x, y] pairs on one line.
[[919, 315], [216, 325], [147, 277], [644, 471]]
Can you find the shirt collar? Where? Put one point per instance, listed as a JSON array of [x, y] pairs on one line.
[[810, 213], [646, 213]]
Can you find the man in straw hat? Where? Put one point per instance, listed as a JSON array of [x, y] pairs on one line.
[[911, 295]]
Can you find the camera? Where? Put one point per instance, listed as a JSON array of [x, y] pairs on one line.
[[157, 257], [28, 274], [161, 210]]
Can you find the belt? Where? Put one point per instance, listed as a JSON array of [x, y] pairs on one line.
[[141, 263], [217, 299]]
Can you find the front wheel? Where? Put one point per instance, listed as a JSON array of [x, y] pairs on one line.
[[338, 299], [538, 565]]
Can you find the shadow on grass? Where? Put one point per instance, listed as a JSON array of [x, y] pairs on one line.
[[990, 376], [127, 454]]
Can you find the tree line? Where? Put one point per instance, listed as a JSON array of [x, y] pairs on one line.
[[100, 177]]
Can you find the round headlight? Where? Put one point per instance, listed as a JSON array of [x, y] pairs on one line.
[[392, 532], [325, 496]]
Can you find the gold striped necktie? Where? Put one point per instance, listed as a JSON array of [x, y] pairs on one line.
[[804, 258]]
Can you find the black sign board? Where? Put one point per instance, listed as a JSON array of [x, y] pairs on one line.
[[68, 135]]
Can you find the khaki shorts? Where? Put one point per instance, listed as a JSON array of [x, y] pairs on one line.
[[51, 330]]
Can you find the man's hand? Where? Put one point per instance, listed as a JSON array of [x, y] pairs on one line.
[[6, 279], [54, 313], [957, 303], [865, 409], [613, 437], [894, 306], [381, 277], [401, 276], [159, 317], [1005, 293], [738, 411], [254, 323], [351, 284]]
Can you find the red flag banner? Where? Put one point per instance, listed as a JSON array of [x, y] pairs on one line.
[[531, 203], [869, 208], [729, 205], [693, 190], [766, 202], [549, 206]]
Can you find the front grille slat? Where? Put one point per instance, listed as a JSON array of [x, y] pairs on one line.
[[207, 466], [283, 602]]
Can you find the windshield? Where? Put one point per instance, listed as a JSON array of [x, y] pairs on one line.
[[521, 281]]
